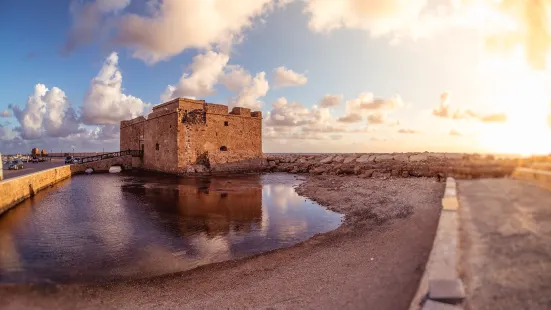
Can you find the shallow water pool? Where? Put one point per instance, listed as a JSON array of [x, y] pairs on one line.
[[102, 227]]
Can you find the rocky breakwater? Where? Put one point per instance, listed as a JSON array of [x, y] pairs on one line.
[[399, 165]]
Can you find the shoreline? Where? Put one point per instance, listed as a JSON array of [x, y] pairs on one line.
[[387, 236]]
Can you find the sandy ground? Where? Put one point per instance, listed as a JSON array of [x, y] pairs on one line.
[[373, 261], [505, 244], [33, 167]]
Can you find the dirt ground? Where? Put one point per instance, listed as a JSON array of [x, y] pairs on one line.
[[505, 244], [373, 261]]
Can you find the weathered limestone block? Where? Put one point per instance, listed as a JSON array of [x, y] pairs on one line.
[[338, 159], [377, 174], [319, 170], [368, 173], [418, 157], [346, 169], [453, 156], [401, 157], [200, 168], [327, 159], [365, 158], [384, 157], [349, 159]]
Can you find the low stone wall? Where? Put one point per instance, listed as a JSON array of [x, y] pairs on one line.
[[440, 165], [13, 191], [103, 165]]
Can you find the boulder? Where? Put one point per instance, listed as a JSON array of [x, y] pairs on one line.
[[327, 159], [200, 169], [190, 169], [318, 170], [357, 170], [338, 159], [272, 163], [349, 159], [401, 157], [368, 173], [405, 174], [418, 157], [364, 159], [453, 156], [384, 157], [380, 175]]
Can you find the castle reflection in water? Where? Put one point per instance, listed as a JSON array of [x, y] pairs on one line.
[[104, 227]]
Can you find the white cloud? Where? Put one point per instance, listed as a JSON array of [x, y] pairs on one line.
[[176, 25], [444, 111], [379, 17], [236, 79], [5, 113], [88, 19], [46, 113], [249, 96], [286, 113], [292, 120], [206, 70], [329, 101], [6, 133], [367, 106], [104, 102], [284, 77]]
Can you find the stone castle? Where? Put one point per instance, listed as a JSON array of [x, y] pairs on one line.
[[186, 136]]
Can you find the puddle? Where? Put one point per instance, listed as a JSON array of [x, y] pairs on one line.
[[101, 227]]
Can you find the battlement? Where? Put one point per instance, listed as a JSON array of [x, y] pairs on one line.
[[133, 121], [216, 108], [241, 111]]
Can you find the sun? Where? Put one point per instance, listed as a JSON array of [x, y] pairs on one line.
[[525, 96]]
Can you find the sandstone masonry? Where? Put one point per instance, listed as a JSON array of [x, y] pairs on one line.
[[188, 136]]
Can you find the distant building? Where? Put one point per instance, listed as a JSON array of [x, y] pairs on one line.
[[184, 133]]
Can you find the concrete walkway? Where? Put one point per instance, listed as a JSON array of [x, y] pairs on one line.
[[505, 244]]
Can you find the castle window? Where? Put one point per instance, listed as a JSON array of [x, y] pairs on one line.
[[223, 148], [226, 123], [157, 146]]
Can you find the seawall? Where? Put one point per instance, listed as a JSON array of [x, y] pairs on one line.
[[404, 165], [13, 191]]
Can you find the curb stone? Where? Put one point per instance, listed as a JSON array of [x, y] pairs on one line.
[[440, 286]]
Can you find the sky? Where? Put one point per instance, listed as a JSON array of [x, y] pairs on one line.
[[329, 75]]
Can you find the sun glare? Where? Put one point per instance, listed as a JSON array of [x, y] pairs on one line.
[[524, 95]]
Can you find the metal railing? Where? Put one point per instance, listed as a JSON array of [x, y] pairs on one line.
[[89, 159]]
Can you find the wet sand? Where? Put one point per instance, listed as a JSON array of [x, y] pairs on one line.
[[374, 260]]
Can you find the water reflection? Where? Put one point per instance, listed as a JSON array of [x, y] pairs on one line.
[[107, 226]]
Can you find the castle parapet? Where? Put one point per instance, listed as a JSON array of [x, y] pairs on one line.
[[256, 114], [241, 111], [216, 108], [133, 121]]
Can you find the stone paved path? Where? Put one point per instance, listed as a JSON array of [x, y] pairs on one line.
[[505, 244]]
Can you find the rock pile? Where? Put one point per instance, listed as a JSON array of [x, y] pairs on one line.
[[439, 165]]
